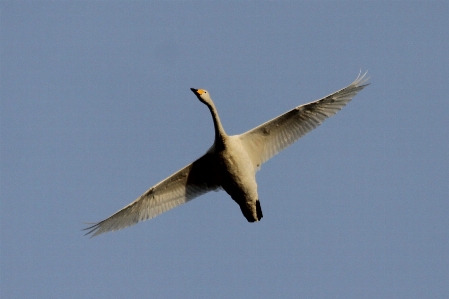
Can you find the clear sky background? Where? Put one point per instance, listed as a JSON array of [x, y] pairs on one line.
[[96, 108]]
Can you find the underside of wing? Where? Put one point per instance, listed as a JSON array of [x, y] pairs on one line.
[[186, 184], [268, 139]]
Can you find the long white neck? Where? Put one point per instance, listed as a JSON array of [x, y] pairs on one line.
[[220, 134]]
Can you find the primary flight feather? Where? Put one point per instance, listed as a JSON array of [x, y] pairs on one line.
[[232, 161]]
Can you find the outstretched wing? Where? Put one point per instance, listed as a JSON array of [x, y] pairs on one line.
[[186, 184], [268, 139]]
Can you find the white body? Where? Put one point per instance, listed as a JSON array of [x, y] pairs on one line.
[[238, 177]]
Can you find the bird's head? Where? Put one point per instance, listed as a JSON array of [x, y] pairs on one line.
[[203, 95]]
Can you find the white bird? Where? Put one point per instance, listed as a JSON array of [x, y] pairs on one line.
[[231, 162]]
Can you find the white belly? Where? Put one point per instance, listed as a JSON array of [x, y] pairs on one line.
[[238, 175]]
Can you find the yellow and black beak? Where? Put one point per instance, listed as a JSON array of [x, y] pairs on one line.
[[198, 92]]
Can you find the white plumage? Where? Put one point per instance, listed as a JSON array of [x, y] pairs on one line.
[[232, 161]]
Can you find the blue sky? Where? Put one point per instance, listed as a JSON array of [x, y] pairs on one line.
[[96, 108]]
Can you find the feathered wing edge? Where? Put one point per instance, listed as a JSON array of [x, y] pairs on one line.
[[184, 185], [268, 139]]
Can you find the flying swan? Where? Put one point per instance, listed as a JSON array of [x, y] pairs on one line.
[[231, 162]]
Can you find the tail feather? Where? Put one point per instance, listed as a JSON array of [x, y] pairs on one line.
[[247, 211]]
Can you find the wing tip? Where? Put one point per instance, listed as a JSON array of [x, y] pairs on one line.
[[361, 80], [94, 229]]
